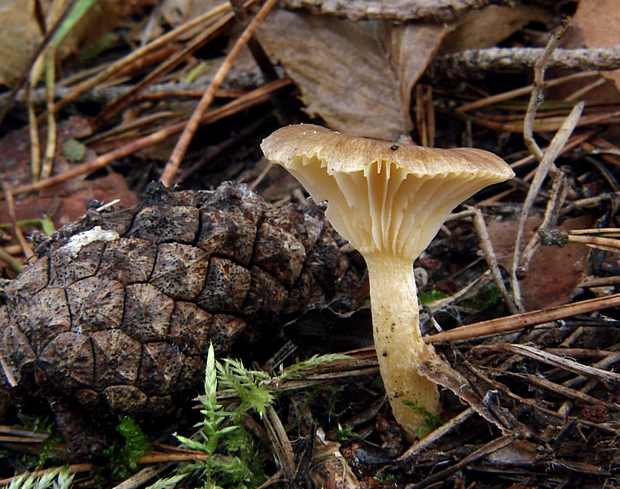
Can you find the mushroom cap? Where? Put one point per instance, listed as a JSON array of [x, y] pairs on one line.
[[383, 197]]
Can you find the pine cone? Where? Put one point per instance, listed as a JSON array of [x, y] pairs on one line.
[[116, 315]]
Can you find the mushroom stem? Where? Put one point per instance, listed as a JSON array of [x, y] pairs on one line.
[[399, 344]]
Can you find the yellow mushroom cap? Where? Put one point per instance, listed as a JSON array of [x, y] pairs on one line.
[[382, 196]]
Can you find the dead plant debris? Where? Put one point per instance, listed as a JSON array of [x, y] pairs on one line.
[[518, 291]]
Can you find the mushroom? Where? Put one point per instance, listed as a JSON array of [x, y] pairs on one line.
[[389, 201]]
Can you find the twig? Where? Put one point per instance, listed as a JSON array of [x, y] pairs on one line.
[[258, 53], [117, 105], [13, 262], [602, 364], [525, 320], [26, 248], [280, 442], [256, 97], [429, 10], [559, 191], [498, 386], [608, 244], [425, 115], [489, 254], [555, 360], [49, 36], [134, 55], [542, 383], [538, 87], [50, 81], [519, 92], [478, 63], [557, 143], [142, 477], [486, 450], [434, 436], [178, 153], [543, 124], [104, 94]]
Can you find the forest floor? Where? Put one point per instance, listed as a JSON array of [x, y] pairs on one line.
[[518, 290]]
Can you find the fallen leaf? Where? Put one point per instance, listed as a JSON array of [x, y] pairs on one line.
[[596, 24], [589, 30], [20, 34], [66, 205], [487, 27], [356, 76], [554, 272], [15, 150]]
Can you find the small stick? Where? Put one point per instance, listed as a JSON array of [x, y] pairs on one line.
[[140, 478], [25, 76], [557, 143], [178, 153], [559, 191], [115, 106], [525, 320], [542, 383], [432, 437], [596, 242], [477, 63], [489, 254], [519, 92], [281, 444], [27, 249], [50, 80], [555, 360], [537, 92], [255, 97], [134, 55], [11, 261], [33, 129], [485, 451], [258, 53]]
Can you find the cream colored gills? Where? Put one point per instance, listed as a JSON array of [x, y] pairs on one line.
[[388, 200]]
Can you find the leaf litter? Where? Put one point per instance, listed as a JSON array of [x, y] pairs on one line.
[[544, 376]]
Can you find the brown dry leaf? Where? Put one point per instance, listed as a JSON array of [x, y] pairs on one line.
[[487, 27], [20, 34], [15, 150], [554, 272], [356, 76], [66, 204], [596, 24]]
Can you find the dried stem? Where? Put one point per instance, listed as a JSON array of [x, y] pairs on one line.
[[484, 451], [491, 259], [538, 88], [399, 10], [435, 435], [559, 191], [251, 99], [478, 63], [158, 43], [554, 360], [117, 105], [557, 143], [26, 248], [525, 320], [190, 129]]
